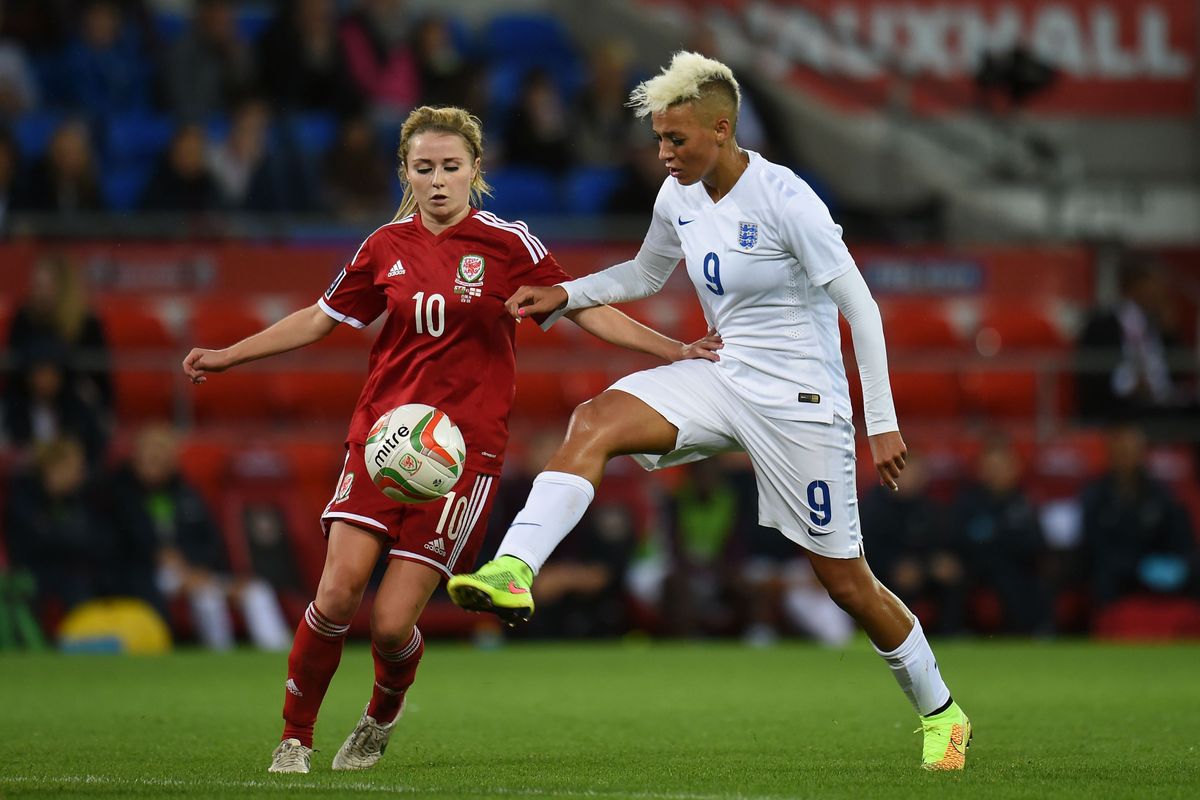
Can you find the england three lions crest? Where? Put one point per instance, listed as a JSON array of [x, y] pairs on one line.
[[469, 280], [747, 235]]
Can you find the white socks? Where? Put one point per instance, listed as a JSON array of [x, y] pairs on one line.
[[556, 503], [264, 618], [916, 671]]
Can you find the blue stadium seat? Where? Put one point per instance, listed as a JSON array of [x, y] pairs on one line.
[[527, 37], [169, 25], [33, 131], [123, 185], [589, 189], [314, 133], [137, 137], [521, 192]]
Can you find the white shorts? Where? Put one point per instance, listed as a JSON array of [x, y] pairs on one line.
[[804, 470]]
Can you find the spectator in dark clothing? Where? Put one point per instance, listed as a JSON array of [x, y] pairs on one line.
[[168, 545], [183, 181], [376, 40], [45, 406], [539, 128], [602, 116], [999, 539], [210, 67], [255, 174], [357, 178], [65, 180], [57, 530], [1137, 537], [911, 551], [302, 62], [9, 178], [642, 175], [447, 76], [56, 309], [1131, 341], [105, 69], [704, 591]]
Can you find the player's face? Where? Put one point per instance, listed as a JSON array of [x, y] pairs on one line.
[[440, 170], [685, 144]]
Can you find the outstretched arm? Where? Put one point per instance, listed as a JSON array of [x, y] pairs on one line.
[[854, 300], [645, 275], [615, 327], [297, 329]]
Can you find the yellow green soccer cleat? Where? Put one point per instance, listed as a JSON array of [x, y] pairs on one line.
[[947, 737], [501, 587]]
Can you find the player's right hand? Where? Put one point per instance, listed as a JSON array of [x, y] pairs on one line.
[[530, 300], [200, 361]]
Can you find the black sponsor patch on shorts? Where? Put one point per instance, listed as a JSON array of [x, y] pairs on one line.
[[804, 397]]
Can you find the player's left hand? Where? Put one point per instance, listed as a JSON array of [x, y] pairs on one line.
[[889, 452], [705, 348]]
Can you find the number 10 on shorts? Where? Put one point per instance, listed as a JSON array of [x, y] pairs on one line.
[[818, 501]]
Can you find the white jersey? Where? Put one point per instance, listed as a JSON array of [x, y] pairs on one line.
[[758, 258]]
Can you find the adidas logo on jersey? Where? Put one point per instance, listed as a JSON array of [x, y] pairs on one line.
[[438, 546], [397, 269]]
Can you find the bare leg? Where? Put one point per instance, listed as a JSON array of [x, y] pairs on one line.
[[893, 629], [613, 423], [856, 590]]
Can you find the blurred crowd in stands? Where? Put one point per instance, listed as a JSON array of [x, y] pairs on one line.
[[985, 550], [293, 108]]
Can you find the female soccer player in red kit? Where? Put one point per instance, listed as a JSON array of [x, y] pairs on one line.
[[442, 269]]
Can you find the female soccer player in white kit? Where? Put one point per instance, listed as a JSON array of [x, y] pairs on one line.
[[771, 272]]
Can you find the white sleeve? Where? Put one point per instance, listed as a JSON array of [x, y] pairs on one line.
[[629, 280], [813, 237], [854, 300], [646, 274]]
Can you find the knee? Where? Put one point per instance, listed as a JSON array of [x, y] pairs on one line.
[[590, 421], [338, 600], [852, 593], [390, 632]]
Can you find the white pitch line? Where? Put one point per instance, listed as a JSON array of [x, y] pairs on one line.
[[291, 782]]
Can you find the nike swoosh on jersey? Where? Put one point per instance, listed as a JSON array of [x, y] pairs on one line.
[[810, 533], [683, 221]]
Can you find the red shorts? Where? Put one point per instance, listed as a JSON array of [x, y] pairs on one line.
[[445, 534]]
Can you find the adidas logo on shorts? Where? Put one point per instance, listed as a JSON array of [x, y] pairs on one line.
[[438, 546]]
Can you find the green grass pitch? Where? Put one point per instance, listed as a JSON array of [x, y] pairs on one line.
[[647, 721]]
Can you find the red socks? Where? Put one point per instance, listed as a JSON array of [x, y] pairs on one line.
[[394, 673], [316, 652]]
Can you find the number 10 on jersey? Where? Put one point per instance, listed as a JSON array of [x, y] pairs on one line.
[[430, 315]]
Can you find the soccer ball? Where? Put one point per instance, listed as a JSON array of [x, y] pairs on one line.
[[415, 454]]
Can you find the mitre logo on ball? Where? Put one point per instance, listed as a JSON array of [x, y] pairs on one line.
[[415, 453]]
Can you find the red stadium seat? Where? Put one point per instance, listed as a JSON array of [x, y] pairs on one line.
[[910, 325], [233, 397], [204, 463], [219, 322], [924, 394], [144, 395], [1002, 394], [1017, 327], [540, 394], [134, 324], [314, 395]]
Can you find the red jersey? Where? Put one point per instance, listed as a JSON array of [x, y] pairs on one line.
[[447, 340]]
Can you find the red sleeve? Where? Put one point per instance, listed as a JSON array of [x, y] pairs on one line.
[[534, 265], [353, 297]]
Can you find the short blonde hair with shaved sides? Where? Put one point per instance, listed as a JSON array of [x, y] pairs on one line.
[[689, 77]]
